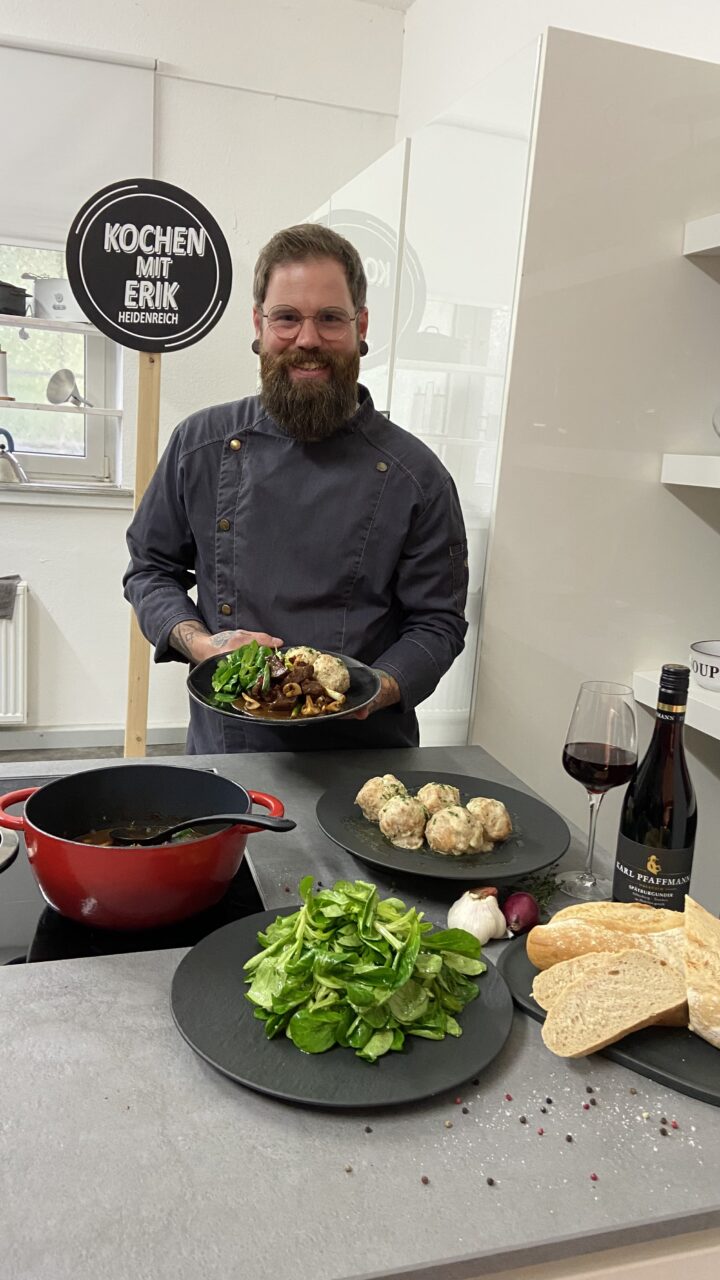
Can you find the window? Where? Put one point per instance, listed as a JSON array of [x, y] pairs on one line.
[[53, 443]]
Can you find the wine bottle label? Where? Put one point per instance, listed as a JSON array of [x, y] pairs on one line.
[[655, 877]]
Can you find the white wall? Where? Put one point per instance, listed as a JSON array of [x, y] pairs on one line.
[[595, 569], [450, 46], [260, 127]]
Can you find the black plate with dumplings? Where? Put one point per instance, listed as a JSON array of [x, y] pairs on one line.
[[672, 1056], [540, 836], [210, 1011], [364, 687]]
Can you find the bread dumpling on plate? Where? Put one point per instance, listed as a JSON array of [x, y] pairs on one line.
[[402, 821], [376, 792], [302, 651], [493, 815], [331, 672], [437, 795], [454, 830]]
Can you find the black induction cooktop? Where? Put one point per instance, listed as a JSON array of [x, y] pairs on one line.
[[51, 936]]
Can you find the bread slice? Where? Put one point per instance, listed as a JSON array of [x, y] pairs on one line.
[[631, 917], [635, 990], [566, 937], [702, 971], [551, 986]]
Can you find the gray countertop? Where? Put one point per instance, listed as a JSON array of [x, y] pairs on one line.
[[123, 1154]]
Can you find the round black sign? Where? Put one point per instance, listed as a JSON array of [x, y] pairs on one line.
[[149, 265]]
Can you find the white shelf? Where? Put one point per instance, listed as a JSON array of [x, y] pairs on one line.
[[61, 408], [698, 469], [702, 236], [703, 707], [57, 326]]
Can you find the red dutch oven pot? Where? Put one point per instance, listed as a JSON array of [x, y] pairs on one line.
[[132, 888]]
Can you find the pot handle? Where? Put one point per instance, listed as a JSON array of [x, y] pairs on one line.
[[275, 806], [15, 797]]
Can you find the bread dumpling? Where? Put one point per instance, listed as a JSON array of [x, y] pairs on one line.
[[436, 795], [331, 672], [303, 652], [454, 830], [402, 821], [493, 815], [374, 793]]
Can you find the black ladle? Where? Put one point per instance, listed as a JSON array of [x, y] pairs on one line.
[[121, 836]]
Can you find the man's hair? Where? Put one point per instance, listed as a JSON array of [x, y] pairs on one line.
[[309, 240]]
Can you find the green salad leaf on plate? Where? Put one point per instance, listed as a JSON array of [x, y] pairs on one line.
[[237, 672], [352, 969]]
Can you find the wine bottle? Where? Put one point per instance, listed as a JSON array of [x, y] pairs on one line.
[[659, 814]]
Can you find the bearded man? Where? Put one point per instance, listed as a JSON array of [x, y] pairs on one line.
[[304, 517]]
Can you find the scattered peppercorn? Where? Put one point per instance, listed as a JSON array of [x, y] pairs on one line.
[[286, 887], [568, 1137], [549, 1101], [589, 1088], [543, 1111], [448, 1124], [491, 1182], [508, 1097], [586, 1106], [663, 1131], [664, 1120], [593, 1177], [466, 1111], [523, 1119], [476, 1080], [348, 1168], [540, 1133], [593, 1102], [633, 1092], [674, 1125], [368, 1128], [424, 1179]]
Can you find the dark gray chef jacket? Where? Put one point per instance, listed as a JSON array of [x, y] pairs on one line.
[[353, 544]]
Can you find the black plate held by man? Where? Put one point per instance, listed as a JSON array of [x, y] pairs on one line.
[[540, 836], [673, 1056], [364, 687], [212, 1013]]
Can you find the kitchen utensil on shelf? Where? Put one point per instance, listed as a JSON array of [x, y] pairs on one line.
[[540, 836], [10, 469], [211, 1012], [600, 752], [705, 664], [262, 821], [13, 299], [53, 299], [3, 376], [140, 887], [63, 387]]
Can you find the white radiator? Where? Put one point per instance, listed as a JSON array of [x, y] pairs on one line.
[[13, 663]]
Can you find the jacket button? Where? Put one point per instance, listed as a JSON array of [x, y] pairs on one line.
[[223, 525], [225, 609], [235, 444], [381, 466]]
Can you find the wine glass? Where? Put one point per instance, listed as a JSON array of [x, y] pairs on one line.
[[601, 752]]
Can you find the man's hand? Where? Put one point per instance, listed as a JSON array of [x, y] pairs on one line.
[[388, 695], [195, 642]]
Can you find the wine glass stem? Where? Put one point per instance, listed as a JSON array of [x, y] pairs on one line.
[[595, 798]]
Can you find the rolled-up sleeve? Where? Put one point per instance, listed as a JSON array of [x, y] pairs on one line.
[[162, 556], [431, 590]]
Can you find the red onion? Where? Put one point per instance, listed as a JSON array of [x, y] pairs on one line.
[[521, 912]]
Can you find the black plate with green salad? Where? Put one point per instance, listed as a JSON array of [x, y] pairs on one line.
[[349, 1001], [291, 686]]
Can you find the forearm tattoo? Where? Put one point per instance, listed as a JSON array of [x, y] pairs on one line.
[[184, 634]]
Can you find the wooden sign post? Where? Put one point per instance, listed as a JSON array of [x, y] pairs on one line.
[[151, 269]]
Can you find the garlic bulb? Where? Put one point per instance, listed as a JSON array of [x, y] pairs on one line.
[[479, 913]]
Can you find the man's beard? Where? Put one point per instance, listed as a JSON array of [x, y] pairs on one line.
[[305, 408]]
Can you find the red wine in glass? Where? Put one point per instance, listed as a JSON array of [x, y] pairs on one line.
[[598, 765], [601, 753]]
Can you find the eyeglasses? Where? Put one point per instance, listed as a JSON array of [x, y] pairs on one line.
[[332, 323]]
